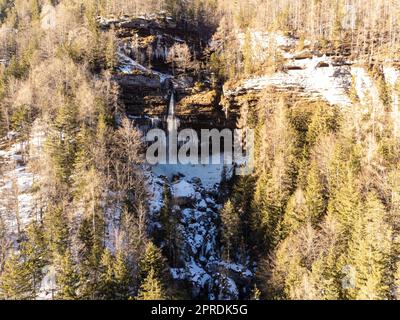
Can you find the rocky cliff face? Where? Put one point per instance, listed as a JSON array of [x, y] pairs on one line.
[[147, 78], [199, 261], [313, 74], [309, 73], [147, 81]]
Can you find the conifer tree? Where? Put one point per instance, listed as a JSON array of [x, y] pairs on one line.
[[15, 279], [151, 288], [83, 159], [56, 229], [111, 49], [396, 283], [326, 119], [62, 144], [35, 10], [370, 252], [289, 271], [277, 175], [116, 280], [107, 277], [123, 276], [67, 278], [326, 277], [255, 293], [4, 242], [34, 256], [230, 228], [295, 215], [345, 204], [314, 195], [171, 234], [241, 199], [90, 255], [22, 272], [153, 260]]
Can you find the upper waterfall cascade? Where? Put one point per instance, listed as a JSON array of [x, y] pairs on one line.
[[172, 120], [171, 109]]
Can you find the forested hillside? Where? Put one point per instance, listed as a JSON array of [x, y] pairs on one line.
[[84, 216]]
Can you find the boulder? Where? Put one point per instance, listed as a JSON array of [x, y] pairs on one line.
[[183, 193]]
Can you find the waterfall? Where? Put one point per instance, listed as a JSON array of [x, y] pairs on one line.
[[171, 109], [172, 121]]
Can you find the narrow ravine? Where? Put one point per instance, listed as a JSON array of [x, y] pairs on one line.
[[194, 191]]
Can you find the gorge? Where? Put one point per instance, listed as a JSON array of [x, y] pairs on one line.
[[85, 215]]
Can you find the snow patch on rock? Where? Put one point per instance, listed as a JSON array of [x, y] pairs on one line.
[[183, 190], [209, 175], [199, 252], [127, 66], [366, 89], [329, 83]]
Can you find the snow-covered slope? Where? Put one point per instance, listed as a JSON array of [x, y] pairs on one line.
[[127, 65], [197, 213], [17, 201], [310, 75], [330, 83]]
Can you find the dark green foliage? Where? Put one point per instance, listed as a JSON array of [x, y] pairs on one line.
[[153, 260], [15, 280], [67, 277], [230, 229], [57, 231], [62, 143], [23, 271], [116, 280]]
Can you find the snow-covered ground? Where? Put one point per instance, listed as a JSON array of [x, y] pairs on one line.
[[314, 76], [198, 217], [366, 89], [191, 189], [329, 83], [17, 202], [210, 175], [197, 210], [127, 65]]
